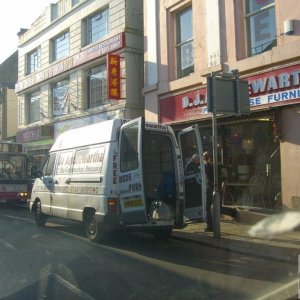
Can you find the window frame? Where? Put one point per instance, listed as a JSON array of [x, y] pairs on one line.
[[92, 37], [181, 43], [62, 84], [34, 113], [75, 2], [92, 101], [248, 19], [65, 35], [33, 60]]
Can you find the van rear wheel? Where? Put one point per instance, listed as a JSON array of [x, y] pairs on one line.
[[39, 217], [94, 232]]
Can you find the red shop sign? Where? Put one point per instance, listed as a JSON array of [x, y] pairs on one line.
[[113, 77]]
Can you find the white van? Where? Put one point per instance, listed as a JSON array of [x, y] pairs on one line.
[[111, 174]]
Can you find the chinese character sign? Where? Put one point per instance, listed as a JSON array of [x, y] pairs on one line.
[[113, 80]]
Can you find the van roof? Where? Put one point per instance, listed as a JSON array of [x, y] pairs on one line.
[[102, 132]]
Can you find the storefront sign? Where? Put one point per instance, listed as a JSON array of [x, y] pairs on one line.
[[112, 44], [187, 106], [113, 77], [34, 134], [277, 87], [269, 89]]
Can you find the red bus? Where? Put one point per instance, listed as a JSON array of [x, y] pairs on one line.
[[13, 173]]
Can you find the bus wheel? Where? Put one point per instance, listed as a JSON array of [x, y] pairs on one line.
[[163, 233], [93, 229], [39, 217]]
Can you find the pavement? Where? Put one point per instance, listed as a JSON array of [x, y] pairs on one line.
[[234, 236]]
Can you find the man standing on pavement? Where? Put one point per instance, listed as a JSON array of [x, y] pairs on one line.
[[209, 171]]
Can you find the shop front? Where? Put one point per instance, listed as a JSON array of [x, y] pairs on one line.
[[250, 146], [37, 141]]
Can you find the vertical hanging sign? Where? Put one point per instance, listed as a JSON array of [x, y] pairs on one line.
[[113, 77]]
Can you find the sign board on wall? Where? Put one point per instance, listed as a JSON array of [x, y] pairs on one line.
[[102, 48], [187, 106], [113, 77], [270, 89]]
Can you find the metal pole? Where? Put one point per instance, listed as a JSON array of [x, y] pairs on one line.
[[216, 194]]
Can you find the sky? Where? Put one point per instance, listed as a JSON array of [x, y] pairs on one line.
[[16, 14]]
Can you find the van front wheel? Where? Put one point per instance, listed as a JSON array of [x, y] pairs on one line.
[[94, 232], [39, 217]]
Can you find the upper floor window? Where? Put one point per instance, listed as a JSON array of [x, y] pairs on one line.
[[34, 109], [33, 60], [261, 25], [60, 46], [74, 2], [54, 11], [97, 86], [60, 94], [184, 43], [97, 26]]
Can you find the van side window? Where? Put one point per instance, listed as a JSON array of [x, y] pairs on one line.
[[49, 165], [129, 149]]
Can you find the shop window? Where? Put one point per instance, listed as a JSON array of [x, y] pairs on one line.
[[97, 87], [33, 60], [60, 46], [96, 26], [34, 109], [61, 100], [184, 43], [261, 26]]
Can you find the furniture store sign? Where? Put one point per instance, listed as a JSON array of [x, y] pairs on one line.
[[275, 88], [279, 87]]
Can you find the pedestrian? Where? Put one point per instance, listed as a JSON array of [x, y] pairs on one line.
[[209, 171], [192, 166]]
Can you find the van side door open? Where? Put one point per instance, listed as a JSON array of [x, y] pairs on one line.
[[131, 183], [190, 143]]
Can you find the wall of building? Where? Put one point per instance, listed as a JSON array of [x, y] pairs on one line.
[[124, 17], [290, 156], [12, 114], [220, 44]]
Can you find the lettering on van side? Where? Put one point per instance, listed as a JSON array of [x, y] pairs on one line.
[[115, 169], [125, 178], [89, 190], [85, 161], [135, 187]]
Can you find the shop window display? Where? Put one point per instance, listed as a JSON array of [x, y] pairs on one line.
[[245, 150]]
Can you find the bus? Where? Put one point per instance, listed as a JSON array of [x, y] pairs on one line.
[[13, 173]]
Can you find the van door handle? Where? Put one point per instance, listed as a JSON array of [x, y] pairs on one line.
[[68, 180], [55, 182]]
